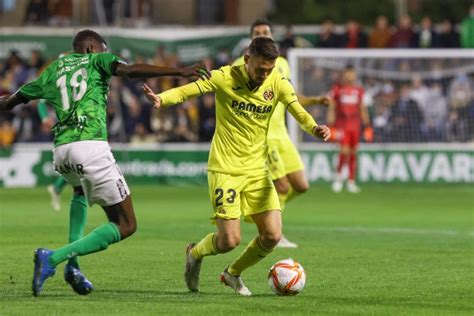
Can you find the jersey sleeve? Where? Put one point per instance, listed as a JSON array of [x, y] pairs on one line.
[[286, 92], [284, 68], [34, 89], [193, 89], [105, 62], [290, 100], [42, 109]]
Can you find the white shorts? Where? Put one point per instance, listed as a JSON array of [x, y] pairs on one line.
[[91, 164]]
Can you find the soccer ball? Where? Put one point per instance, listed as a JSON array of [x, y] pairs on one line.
[[287, 277]]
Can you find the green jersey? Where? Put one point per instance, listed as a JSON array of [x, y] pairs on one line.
[[77, 86]]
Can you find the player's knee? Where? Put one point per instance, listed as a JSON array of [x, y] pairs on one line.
[[228, 242], [282, 187], [78, 191], [270, 239], [301, 187], [128, 229]]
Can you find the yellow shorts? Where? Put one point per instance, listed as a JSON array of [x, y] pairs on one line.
[[235, 195], [283, 158]]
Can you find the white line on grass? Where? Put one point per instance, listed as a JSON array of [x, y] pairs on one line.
[[388, 230]]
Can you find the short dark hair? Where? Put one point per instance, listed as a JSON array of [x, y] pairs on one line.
[[86, 35], [264, 47], [260, 22]]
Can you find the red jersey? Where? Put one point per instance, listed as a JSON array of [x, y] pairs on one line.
[[348, 100]]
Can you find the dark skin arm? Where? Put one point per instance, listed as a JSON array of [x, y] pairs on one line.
[[147, 71], [9, 101]]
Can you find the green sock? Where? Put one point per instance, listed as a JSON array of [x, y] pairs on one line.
[[254, 252], [77, 222], [206, 247], [59, 184], [99, 239]]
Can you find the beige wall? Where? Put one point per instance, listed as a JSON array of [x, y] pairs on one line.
[[250, 10], [174, 12], [14, 18]]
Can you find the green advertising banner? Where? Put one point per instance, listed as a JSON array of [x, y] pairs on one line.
[[31, 165]]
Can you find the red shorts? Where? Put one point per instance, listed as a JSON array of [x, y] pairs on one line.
[[350, 138]]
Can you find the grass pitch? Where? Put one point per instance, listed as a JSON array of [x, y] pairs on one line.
[[391, 250]]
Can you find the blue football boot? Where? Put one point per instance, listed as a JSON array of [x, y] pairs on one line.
[[77, 280], [43, 269]]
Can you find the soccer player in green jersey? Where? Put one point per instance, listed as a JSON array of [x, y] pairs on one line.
[[57, 187], [239, 179], [285, 163], [77, 86]]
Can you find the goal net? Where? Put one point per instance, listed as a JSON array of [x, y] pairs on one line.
[[412, 95]]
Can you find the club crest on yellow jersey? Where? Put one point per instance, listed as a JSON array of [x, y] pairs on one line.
[[268, 95]]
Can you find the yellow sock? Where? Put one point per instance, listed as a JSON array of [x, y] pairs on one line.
[[291, 195], [251, 255], [282, 198], [206, 247]]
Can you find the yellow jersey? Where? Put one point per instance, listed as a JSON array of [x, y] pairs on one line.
[[243, 111], [277, 129]]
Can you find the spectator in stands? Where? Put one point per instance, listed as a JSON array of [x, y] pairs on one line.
[[426, 37], [381, 34], [405, 118], [382, 104], [25, 124], [448, 36], [327, 37], [207, 121], [36, 12], [354, 37], [288, 41], [7, 133], [404, 36], [223, 58], [467, 30], [61, 12], [142, 135], [460, 97], [435, 114], [14, 73], [183, 127]]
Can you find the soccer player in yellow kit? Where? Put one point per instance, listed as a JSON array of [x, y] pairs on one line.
[[239, 179], [286, 166]]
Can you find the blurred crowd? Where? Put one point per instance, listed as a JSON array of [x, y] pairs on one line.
[[412, 100], [401, 110]]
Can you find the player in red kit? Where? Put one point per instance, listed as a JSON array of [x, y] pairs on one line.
[[346, 114]]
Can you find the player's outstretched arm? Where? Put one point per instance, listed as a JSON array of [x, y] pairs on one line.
[[307, 123], [147, 71], [9, 101], [316, 100], [173, 96]]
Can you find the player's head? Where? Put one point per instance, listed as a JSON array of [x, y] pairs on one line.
[[349, 77], [260, 59], [261, 28], [88, 41]]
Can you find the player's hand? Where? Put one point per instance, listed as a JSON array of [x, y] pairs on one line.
[[368, 134], [324, 101], [151, 96], [323, 132], [197, 70]]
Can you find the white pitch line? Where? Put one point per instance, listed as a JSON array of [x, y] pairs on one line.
[[387, 230]]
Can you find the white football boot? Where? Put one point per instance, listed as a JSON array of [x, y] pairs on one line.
[[235, 282], [285, 243], [55, 198], [192, 269], [352, 187]]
